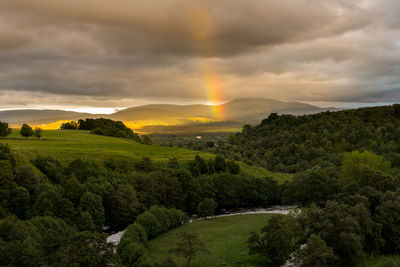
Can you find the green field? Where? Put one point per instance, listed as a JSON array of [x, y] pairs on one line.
[[224, 238], [247, 170], [71, 144], [67, 145]]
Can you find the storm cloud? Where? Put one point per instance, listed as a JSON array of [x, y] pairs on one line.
[[121, 53]]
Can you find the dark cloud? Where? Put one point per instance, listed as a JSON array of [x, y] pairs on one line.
[[191, 27], [99, 51]]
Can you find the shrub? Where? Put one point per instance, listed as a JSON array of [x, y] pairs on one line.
[[150, 223], [207, 207]]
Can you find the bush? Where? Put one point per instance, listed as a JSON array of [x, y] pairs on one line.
[[132, 254], [134, 233], [150, 223], [168, 218], [207, 207]]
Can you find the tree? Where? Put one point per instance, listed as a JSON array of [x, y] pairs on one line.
[[37, 132], [388, 214], [4, 130], [146, 164], [92, 203], [26, 130], [188, 247], [207, 207], [341, 231], [26, 177], [278, 239], [125, 206], [314, 253], [198, 166], [311, 186], [150, 223], [19, 202], [219, 164], [132, 254], [146, 140], [233, 167], [73, 125], [355, 162]]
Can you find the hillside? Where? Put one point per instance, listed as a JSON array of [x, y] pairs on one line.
[[237, 112], [289, 143], [40, 116], [241, 110], [67, 145], [254, 110], [70, 144]]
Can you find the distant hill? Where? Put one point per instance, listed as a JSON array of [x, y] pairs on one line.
[[162, 111], [254, 110], [241, 111], [40, 116]]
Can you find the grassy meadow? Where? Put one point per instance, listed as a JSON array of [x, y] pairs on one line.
[[70, 144], [67, 145], [224, 238]]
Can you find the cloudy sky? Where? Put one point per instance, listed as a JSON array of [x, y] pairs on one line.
[[121, 53]]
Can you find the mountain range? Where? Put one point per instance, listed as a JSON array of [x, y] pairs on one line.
[[240, 110]]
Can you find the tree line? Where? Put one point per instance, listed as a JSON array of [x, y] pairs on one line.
[[106, 127], [26, 130]]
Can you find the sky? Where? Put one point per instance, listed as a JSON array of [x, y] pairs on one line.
[[102, 55]]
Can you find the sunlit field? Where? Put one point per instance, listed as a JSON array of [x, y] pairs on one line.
[[67, 145]]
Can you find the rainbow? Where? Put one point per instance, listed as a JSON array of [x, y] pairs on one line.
[[214, 93], [203, 30]]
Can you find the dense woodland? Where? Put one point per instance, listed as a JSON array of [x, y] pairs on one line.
[[288, 143], [345, 181], [55, 214]]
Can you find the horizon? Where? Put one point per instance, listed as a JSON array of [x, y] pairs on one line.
[[112, 110]]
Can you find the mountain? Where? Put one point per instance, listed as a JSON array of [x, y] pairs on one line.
[[240, 111], [254, 110], [162, 112]]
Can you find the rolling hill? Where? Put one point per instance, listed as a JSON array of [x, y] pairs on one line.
[[67, 145], [240, 111], [36, 116]]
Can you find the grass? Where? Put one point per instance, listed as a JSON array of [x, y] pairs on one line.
[[197, 129], [67, 145], [247, 170], [70, 144], [224, 237]]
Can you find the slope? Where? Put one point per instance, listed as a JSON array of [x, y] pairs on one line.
[[67, 145]]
